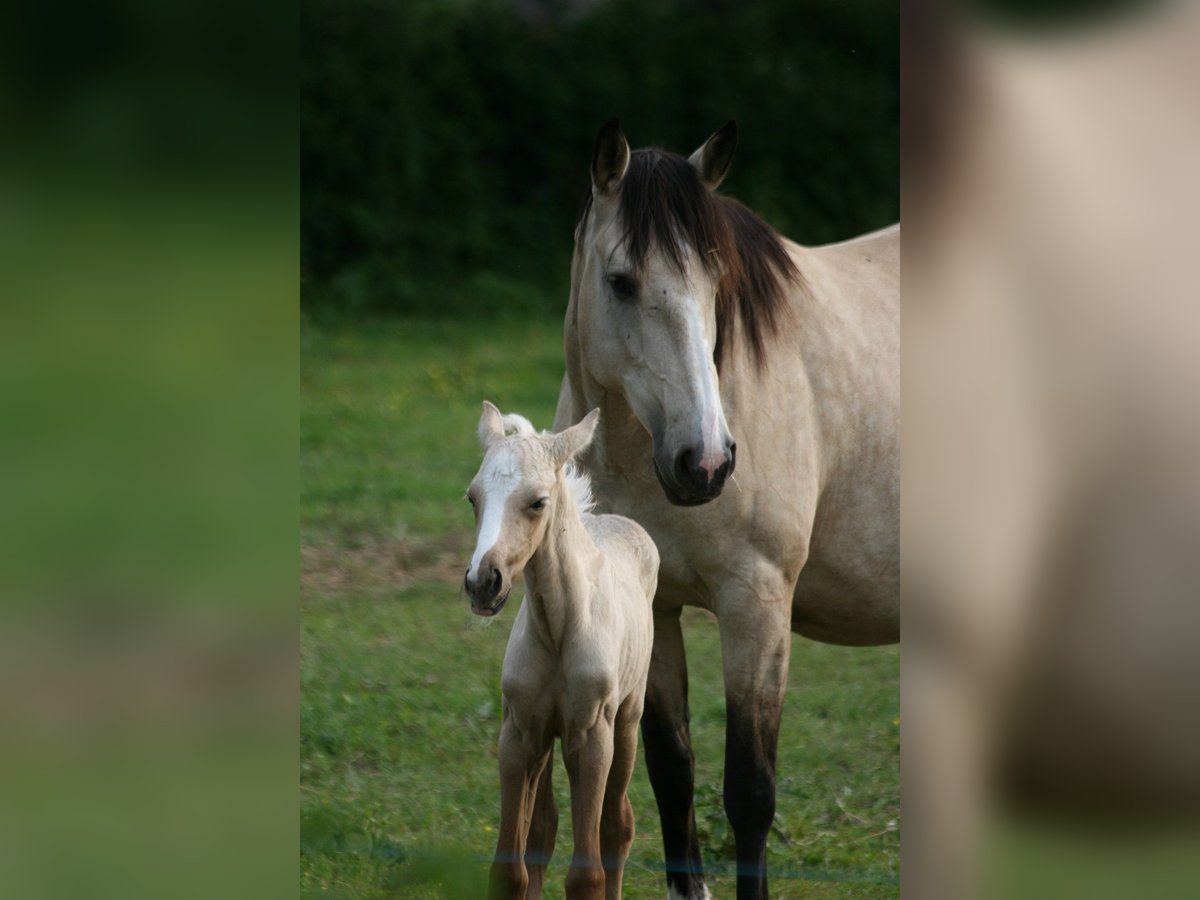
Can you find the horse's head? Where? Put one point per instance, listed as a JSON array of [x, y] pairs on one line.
[[514, 494], [655, 273]]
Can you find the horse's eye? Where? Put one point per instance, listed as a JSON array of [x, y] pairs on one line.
[[539, 504], [623, 286]]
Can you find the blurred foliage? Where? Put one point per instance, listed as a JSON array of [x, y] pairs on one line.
[[445, 143], [148, 446], [1062, 15]]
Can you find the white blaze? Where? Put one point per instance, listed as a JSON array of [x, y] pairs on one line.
[[714, 450], [712, 417], [496, 491]]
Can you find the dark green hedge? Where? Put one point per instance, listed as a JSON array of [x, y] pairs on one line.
[[445, 143]]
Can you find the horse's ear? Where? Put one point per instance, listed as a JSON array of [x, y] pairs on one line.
[[610, 158], [569, 442], [491, 425], [714, 156]]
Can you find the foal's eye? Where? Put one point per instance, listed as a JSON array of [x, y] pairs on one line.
[[623, 286], [539, 504]]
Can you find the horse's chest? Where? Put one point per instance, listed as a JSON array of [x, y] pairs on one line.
[[693, 547]]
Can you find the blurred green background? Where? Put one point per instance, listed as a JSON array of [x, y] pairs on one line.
[[445, 144]]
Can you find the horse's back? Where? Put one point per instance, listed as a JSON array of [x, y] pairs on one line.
[[870, 261], [848, 590]]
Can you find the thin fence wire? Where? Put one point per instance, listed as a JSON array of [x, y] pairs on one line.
[[393, 852]]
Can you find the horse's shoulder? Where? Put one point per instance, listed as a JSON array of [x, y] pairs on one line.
[[622, 536]]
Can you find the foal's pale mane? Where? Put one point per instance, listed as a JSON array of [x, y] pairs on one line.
[[580, 488], [665, 205], [515, 423]]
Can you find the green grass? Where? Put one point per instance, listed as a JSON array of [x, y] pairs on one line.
[[400, 685]]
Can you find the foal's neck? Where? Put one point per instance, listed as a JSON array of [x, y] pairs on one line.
[[559, 575]]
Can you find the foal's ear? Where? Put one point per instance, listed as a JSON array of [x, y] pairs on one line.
[[568, 443], [610, 158], [714, 156], [491, 425]]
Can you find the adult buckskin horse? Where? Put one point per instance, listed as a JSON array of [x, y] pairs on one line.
[[709, 341]]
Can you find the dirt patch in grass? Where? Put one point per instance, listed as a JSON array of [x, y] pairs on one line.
[[380, 565]]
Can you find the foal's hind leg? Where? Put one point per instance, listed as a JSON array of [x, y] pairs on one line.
[[669, 758], [616, 820], [542, 829]]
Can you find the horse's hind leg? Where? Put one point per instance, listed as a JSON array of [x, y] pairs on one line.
[[669, 758], [616, 820], [542, 829]]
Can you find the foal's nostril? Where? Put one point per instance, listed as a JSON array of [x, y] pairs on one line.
[[494, 583]]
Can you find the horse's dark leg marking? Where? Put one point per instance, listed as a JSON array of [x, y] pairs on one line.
[[669, 758], [750, 794], [756, 664]]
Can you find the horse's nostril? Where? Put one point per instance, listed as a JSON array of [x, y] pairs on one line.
[[494, 584], [684, 466]]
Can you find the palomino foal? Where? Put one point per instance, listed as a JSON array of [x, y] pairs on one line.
[[577, 659]]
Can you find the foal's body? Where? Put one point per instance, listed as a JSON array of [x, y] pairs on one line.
[[575, 667]]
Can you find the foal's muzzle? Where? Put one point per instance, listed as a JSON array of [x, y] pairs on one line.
[[686, 482], [487, 591]]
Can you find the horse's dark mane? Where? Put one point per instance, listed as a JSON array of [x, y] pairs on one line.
[[665, 205]]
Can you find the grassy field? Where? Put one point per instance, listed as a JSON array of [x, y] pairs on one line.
[[400, 684]]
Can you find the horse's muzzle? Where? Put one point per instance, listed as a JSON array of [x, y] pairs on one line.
[[691, 484]]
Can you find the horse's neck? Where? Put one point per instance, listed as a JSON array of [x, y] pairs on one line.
[[624, 445], [559, 574]]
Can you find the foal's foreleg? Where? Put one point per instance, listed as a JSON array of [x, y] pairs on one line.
[[669, 758], [542, 828], [588, 754], [616, 821], [755, 645], [519, 771]]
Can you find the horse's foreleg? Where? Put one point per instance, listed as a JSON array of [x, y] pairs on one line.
[[669, 758], [755, 644], [616, 821], [542, 829], [588, 756], [518, 776]]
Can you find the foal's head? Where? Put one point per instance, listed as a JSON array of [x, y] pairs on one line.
[[514, 495]]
